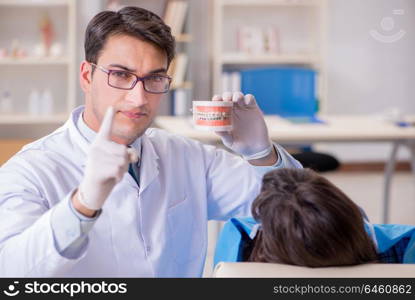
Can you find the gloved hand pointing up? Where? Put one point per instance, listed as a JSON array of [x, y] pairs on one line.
[[106, 165]]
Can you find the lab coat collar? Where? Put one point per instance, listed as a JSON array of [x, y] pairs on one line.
[[149, 168], [76, 137]]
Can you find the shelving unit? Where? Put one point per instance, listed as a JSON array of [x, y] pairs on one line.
[[300, 25], [268, 3], [181, 89], [34, 61], [24, 119], [34, 3], [244, 58], [19, 75]]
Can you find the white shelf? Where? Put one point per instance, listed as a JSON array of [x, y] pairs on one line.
[[184, 85], [243, 58], [34, 61], [183, 38], [257, 3], [34, 2], [31, 119]]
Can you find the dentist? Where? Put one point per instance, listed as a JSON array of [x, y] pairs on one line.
[[105, 195]]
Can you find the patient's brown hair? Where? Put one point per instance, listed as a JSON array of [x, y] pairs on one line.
[[308, 221]]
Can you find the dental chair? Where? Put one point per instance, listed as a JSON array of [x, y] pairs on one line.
[[251, 270]]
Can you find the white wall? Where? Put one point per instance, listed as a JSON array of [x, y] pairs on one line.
[[367, 76]]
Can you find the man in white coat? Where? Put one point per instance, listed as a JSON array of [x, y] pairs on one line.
[[105, 195]]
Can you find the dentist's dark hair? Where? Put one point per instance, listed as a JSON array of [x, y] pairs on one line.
[[306, 220], [133, 21]]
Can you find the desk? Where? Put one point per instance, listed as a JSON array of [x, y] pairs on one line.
[[10, 147], [340, 128]]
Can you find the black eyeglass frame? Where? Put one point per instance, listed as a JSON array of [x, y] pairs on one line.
[[137, 79]]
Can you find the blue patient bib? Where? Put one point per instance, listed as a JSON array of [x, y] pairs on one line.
[[395, 243]]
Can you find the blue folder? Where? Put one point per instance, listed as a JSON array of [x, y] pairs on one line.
[[285, 91]]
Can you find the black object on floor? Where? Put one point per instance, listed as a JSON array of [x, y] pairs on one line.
[[319, 162]]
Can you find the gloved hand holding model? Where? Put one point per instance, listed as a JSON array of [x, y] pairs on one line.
[[106, 165], [249, 136]]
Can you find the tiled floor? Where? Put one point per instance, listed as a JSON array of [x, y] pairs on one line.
[[366, 189]]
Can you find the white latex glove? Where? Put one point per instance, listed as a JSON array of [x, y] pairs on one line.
[[106, 165], [249, 136]]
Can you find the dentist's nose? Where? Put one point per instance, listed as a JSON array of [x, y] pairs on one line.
[[137, 95]]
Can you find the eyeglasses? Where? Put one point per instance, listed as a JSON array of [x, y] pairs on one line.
[[124, 80]]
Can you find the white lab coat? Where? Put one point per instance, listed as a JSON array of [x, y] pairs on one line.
[[157, 229]]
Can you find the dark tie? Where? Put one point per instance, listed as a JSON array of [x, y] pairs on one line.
[[133, 169], [133, 172]]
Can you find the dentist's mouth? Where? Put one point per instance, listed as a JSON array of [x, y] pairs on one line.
[[133, 115]]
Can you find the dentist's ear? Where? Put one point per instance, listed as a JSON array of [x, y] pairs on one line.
[[85, 76]]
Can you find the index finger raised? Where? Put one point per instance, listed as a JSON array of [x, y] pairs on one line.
[[106, 125]]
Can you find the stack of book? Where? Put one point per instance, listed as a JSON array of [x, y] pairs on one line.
[[175, 16], [177, 69]]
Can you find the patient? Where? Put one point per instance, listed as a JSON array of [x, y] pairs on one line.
[[306, 220]]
